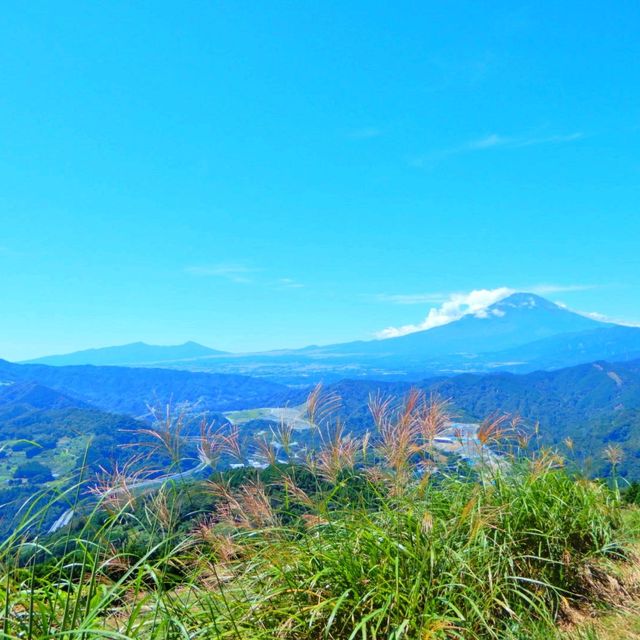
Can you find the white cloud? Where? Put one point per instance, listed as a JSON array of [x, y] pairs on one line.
[[365, 133], [494, 141], [546, 289], [594, 315], [601, 317], [436, 298], [233, 272], [242, 274], [288, 283], [455, 307], [411, 298]]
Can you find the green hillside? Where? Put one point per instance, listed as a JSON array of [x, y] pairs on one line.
[[370, 538], [594, 405]]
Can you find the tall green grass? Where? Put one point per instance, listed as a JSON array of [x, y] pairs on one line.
[[367, 539]]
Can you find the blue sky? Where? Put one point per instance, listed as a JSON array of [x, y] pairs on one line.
[[256, 175]]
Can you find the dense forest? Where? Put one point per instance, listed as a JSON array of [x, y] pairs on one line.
[[369, 537]]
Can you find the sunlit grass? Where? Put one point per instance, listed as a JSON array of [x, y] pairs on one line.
[[368, 539]]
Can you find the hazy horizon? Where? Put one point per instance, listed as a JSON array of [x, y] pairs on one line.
[[454, 308], [248, 177]]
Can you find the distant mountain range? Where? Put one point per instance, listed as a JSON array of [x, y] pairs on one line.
[[521, 318], [522, 355], [132, 390], [47, 436], [136, 353], [594, 404], [561, 357], [521, 333]]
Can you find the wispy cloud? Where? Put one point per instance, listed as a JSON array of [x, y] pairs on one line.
[[451, 69], [548, 289], [243, 274], [365, 133], [410, 298], [601, 317], [288, 283], [8, 251], [437, 298], [237, 273], [494, 141], [454, 308]]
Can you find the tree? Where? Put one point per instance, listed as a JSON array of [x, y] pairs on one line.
[[33, 471]]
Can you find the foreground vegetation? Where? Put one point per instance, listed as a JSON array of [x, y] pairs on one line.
[[379, 537]]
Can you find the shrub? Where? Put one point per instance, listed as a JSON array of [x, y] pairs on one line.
[[366, 539]]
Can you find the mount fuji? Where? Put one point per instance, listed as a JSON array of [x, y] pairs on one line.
[[520, 333]]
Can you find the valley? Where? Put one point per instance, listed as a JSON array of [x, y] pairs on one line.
[[593, 404], [520, 334], [320, 321], [52, 415]]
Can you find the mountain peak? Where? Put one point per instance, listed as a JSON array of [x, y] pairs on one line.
[[37, 396], [516, 320], [135, 353], [523, 300]]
